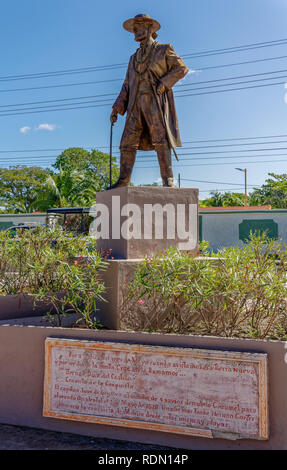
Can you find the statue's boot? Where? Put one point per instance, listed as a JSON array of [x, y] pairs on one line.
[[164, 160], [126, 167]]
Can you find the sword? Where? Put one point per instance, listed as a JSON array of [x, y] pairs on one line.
[[162, 116]]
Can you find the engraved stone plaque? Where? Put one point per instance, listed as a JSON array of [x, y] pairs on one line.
[[196, 392]]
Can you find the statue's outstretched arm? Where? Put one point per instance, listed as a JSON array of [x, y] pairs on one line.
[[121, 103]]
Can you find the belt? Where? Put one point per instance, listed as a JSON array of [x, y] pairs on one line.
[[144, 92]]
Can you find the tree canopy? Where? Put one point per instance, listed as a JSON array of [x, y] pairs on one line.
[[79, 174], [273, 192], [76, 178], [93, 165], [20, 186], [218, 199]]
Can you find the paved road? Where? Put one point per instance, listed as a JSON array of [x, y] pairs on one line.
[[22, 438]]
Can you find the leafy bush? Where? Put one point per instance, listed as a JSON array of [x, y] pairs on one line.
[[54, 268], [240, 292]]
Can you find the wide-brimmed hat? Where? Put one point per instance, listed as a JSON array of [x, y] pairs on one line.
[[129, 24]]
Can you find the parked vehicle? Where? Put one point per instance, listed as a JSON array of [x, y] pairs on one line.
[[15, 230]]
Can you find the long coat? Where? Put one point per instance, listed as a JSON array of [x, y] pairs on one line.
[[165, 67]]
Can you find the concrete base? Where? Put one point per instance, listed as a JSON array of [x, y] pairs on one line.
[[116, 279], [22, 353], [135, 222]]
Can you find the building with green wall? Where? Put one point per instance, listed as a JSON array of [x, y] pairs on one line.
[[223, 227]]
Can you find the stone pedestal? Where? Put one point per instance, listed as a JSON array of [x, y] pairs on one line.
[[135, 222], [132, 223], [116, 279]]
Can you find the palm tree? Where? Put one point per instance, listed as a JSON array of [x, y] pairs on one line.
[[233, 199], [215, 200], [65, 189]]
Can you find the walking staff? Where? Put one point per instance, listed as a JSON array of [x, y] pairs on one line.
[[111, 150]]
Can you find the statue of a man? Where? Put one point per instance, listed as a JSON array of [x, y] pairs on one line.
[[147, 98]]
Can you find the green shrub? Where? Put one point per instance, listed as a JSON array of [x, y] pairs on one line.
[[242, 292], [54, 268]]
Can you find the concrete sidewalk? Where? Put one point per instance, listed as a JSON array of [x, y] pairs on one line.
[[22, 438]]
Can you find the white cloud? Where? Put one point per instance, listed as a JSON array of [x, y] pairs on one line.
[[192, 71], [188, 75], [46, 127], [25, 129]]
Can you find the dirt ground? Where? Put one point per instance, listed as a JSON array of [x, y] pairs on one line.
[[22, 438]]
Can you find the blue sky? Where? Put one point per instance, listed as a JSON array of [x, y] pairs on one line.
[[39, 37]]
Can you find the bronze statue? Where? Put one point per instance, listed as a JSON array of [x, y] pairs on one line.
[[147, 98]]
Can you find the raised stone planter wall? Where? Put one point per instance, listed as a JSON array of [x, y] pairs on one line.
[[19, 306], [22, 359]]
